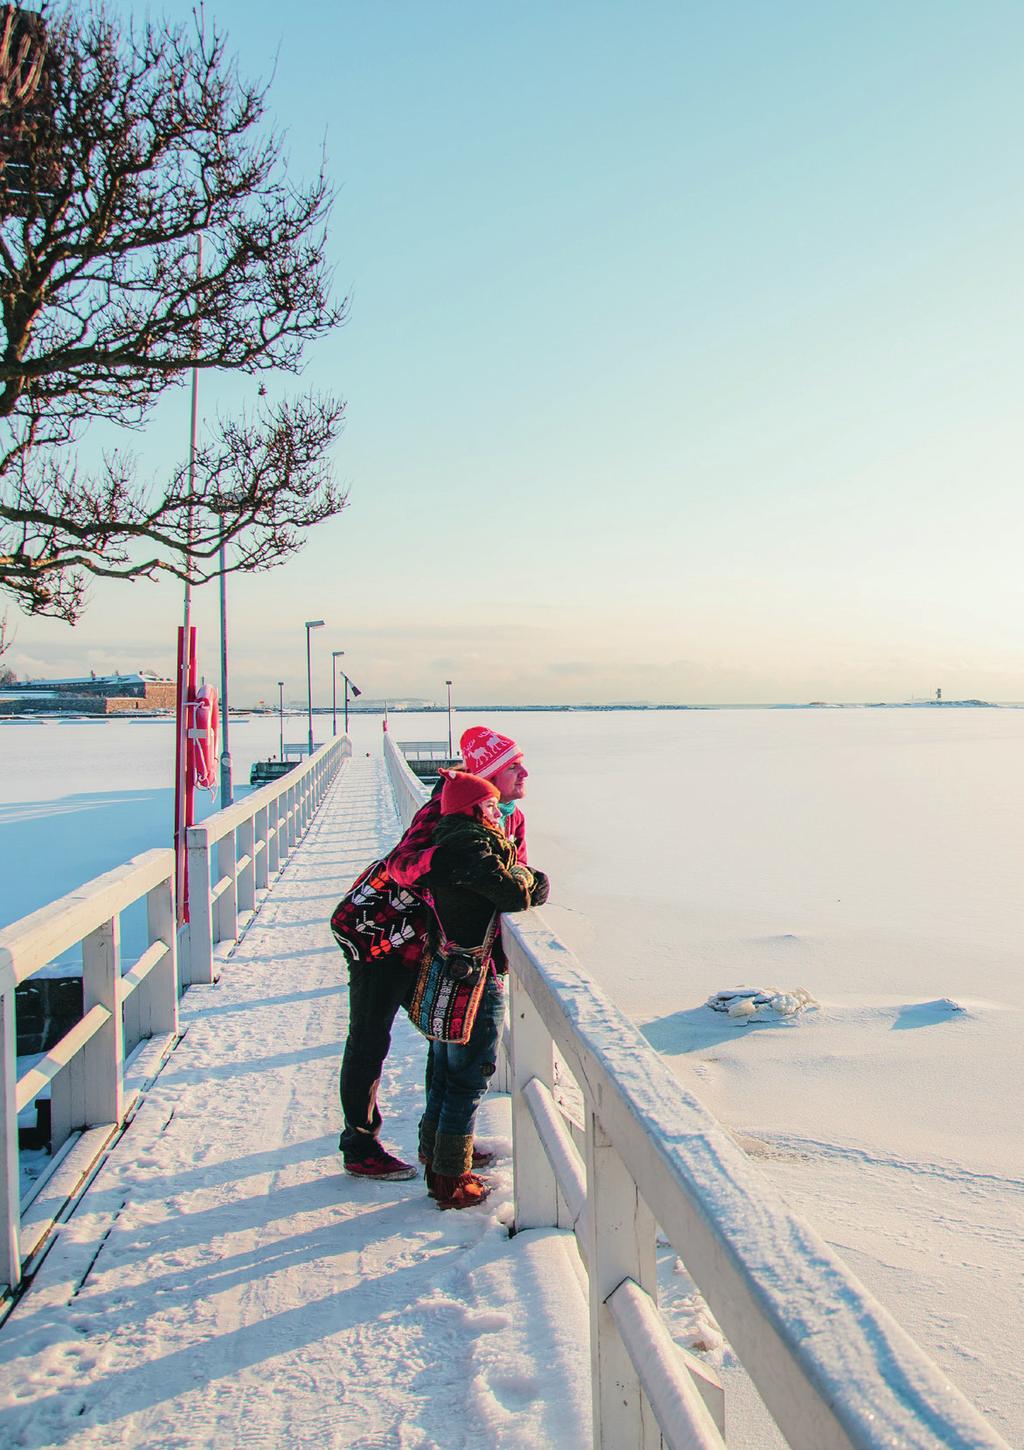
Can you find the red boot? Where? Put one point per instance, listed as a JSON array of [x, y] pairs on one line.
[[465, 1191]]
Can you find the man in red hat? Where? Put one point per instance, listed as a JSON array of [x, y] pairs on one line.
[[376, 991]]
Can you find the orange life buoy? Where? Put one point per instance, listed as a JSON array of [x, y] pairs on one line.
[[205, 737]]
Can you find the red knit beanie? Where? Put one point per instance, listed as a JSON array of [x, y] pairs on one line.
[[485, 751], [461, 792]]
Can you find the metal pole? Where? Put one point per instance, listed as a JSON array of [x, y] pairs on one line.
[[449, 684], [311, 624], [309, 691], [280, 712], [335, 656], [182, 813], [345, 678], [226, 796]]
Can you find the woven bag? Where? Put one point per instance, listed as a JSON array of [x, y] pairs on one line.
[[449, 988]]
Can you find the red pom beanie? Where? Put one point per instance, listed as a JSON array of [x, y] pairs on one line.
[[485, 752], [461, 792]]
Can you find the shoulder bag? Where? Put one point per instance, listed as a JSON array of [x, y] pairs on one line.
[[449, 987]]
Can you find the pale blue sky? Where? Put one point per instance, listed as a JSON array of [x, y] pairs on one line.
[[684, 360]]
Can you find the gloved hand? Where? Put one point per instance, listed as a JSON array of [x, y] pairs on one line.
[[541, 888]]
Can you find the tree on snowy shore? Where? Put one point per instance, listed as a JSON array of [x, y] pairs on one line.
[[121, 147]]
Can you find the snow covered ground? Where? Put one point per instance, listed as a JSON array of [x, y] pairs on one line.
[[868, 856]]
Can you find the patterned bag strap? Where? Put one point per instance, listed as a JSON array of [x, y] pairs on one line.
[[484, 948]]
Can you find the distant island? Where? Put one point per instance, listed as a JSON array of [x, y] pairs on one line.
[[375, 708]]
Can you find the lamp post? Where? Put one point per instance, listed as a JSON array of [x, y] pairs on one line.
[[311, 624], [226, 794], [280, 712], [335, 655], [449, 684], [356, 692]]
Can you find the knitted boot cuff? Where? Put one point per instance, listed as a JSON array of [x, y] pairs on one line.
[[453, 1154], [428, 1132]]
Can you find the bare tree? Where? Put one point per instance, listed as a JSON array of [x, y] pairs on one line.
[[119, 147]]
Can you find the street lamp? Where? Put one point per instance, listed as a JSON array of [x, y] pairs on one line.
[[356, 692], [226, 793], [449, 684], [335, 655], [310, 624], [280, 712]]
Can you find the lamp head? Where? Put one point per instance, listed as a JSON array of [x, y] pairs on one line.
[[314, 623]]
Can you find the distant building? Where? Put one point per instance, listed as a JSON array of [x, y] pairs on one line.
[[90, 695]]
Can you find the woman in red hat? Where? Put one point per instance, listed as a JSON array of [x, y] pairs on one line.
[[474, 877]]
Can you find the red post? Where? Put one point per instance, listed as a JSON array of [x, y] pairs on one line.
[[184, 765]]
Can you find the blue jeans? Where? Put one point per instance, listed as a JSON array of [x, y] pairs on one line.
[[459, 1074]]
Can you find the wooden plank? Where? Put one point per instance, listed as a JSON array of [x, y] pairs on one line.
[[151, 957], [687, 1422], [69, 1179], [10, 1188], [216, 892], [60, 1054], [561, 1151]]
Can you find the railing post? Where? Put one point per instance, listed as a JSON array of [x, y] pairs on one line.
[[293, 807], [536, 1188], [621, 1245], [246, 837], [10, 1190], [261, 839], [200, 932], [104, 1064], [273, 837], [225, 911], [162, 998]]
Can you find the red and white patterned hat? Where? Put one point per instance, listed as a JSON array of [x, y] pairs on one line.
[[485, 752]]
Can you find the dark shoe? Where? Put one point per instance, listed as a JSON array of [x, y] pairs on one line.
[[466, 1191], [384, 1167]]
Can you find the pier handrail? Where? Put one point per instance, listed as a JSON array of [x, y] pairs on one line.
[[90, 1097], [832, 1365], [92, 1091], [246, 844]]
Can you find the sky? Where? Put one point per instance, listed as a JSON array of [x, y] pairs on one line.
[[683, 360]]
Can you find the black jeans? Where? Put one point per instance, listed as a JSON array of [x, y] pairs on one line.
[[375, 993]]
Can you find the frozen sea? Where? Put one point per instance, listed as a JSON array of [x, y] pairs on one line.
[[870, 857]]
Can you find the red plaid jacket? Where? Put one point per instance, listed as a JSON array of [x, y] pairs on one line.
[[411, 858]]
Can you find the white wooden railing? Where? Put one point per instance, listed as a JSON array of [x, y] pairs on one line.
[[98, 1069], [240, 849], [91, 1095], [831, 1364]]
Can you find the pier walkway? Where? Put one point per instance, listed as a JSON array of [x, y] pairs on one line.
[[222, 1282]]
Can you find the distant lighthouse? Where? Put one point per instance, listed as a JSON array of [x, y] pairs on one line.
[[938, 696]]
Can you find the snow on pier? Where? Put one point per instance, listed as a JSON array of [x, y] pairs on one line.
[[223, 1282]]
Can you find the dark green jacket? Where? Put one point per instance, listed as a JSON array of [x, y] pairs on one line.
[[473, 873]]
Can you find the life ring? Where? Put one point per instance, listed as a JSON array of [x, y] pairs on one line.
[[205, 737]]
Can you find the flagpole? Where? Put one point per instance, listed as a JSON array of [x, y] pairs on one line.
[[183, 816]]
